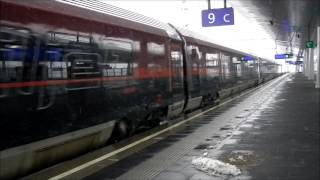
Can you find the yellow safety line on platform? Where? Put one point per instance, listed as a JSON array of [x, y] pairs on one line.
[[101, 158]]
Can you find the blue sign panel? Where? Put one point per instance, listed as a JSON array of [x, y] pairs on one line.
[[281, 56], [295, 62], [217, 17], [290, 62], [247, 58]]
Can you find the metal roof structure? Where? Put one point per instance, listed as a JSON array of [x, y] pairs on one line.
[[289, 22]]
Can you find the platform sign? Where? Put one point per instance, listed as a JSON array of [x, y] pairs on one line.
[[294, 62], [310, 44], [290, 62], [217, 17], [247, 58], [283, 56]]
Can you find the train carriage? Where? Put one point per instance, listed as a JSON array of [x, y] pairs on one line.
[[74, 73], [68, 72]]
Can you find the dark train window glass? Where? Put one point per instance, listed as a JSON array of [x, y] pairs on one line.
[[53, 54], [83, 65], [118, 58], [15, 51], [14, 44]]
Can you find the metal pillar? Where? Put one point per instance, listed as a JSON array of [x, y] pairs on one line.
[[305, 62], [318, 57], [311, 64]]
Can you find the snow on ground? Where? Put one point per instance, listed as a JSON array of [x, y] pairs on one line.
[[215, 167]]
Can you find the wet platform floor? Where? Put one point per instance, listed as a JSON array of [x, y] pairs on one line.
[[272, 133]]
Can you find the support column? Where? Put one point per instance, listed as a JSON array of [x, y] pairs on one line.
[[318, 57], [305, 62], [311, 65]]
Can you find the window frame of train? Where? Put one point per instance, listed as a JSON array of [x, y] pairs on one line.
[[124, 64]]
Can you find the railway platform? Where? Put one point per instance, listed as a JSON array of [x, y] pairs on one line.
[[275, 131], [271, 132]]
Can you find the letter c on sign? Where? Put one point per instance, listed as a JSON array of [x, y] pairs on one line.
[[225, 18]]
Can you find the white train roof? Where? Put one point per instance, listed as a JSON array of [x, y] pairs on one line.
[[111, 10]]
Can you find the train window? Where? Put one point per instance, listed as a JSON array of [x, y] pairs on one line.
[[118, 58], [14, 43], [83, 65], [251, 63], [65, 38], [238, 70], [176, 64], [61, 37], [212, 60], [155, 49], [136, 46], [14, 51], [225, 66], [235, 60], [11, 34], [84, 39], [117, 51], [194, 53]]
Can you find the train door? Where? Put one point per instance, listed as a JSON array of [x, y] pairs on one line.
[[176, 79], [193, 73], [226, 70]]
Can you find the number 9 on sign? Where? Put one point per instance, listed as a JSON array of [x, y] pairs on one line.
[[211, 18]]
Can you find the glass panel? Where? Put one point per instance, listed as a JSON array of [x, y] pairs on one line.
[[118, 58], [155, 49]]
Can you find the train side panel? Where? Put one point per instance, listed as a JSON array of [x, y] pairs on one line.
[[56, 79]]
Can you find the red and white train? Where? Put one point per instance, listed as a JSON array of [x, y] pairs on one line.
[[82, 71]]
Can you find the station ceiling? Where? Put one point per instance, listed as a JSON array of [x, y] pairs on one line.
[[289, 22]]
